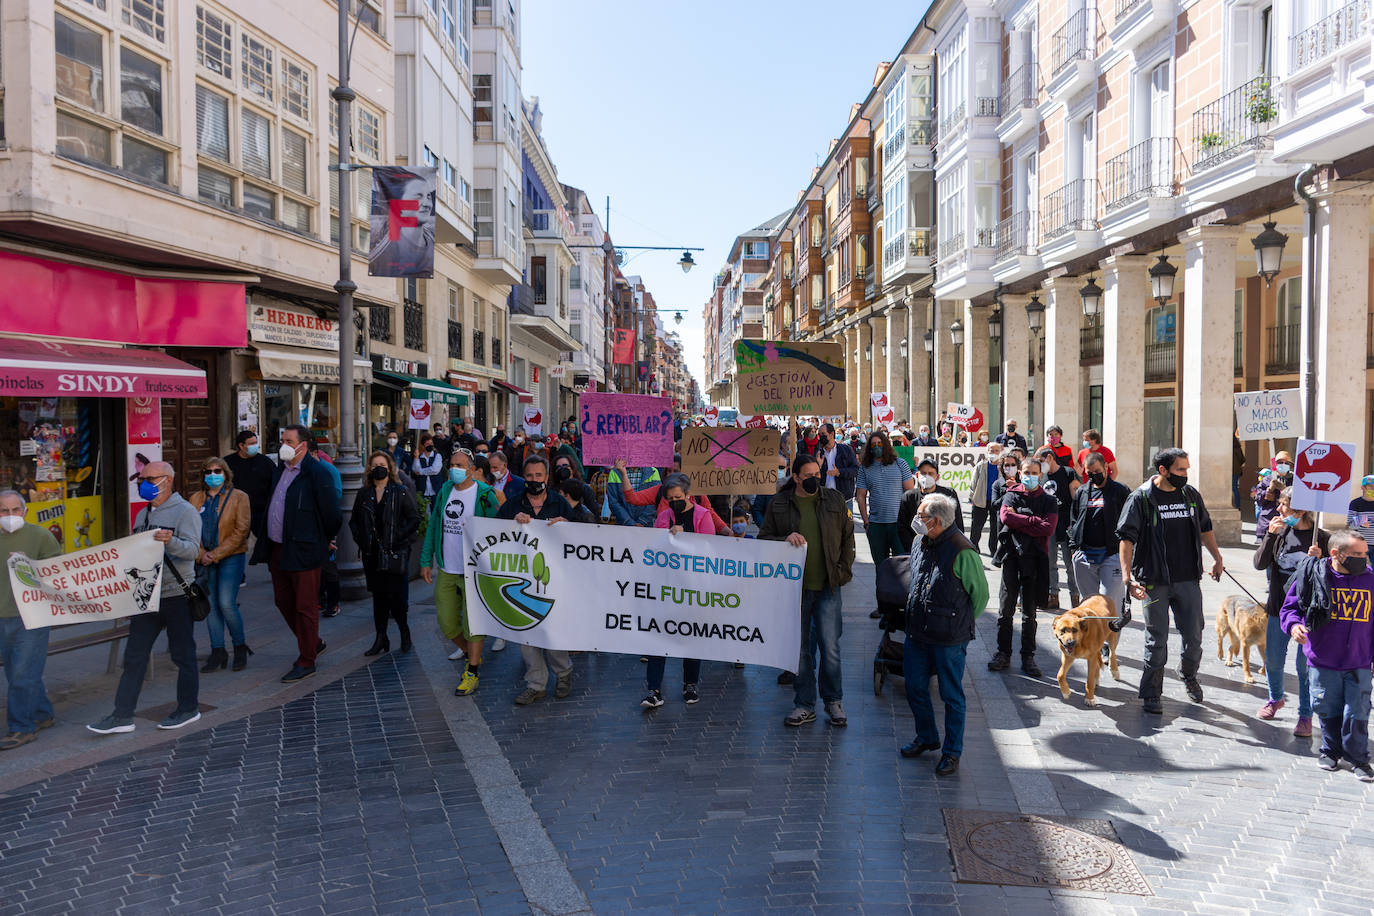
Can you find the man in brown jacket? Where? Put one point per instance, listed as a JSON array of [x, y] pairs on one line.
[[810, 516]]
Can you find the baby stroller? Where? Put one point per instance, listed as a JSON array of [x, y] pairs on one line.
[[893, 584]]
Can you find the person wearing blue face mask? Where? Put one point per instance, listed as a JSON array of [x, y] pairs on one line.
[[1028, 518], [441, 561], [225, 521], [383, 524]]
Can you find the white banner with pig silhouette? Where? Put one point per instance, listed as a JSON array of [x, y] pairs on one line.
[[118, 579], [1322, 475], [638, 591]]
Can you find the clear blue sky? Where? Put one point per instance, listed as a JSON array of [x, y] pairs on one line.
[[699, 120]]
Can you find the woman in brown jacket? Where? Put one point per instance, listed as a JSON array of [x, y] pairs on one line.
[[225, 519]]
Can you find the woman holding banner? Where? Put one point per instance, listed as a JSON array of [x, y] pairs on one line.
[[225, 522], [680, 514]]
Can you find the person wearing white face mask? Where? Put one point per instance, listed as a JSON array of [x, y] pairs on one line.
[[24, 652], [399, 456], [927, 484], [302, 519]]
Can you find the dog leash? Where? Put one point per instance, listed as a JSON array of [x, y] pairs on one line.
[[1242, 587]]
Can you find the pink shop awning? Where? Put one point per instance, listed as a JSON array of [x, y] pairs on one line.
[[39, 368]]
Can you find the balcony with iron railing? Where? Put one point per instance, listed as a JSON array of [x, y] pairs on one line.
[[875, 194], [1016, 235], [1161, 360], [952, 119], [1144, 170], [479, 347], [413, 324], [455, 339], [1330, 34], [1090, 343], [895, 145], [1238, 121], [496, 351], [1283, 348], [987, 107], [1124, 8], [1075, 40], [1071, 208], [985, 237], [1019, 90], [548, 224], [379, 323], [951, 246], [921, 131]]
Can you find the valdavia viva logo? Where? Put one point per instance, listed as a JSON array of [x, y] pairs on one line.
[[514, 589]]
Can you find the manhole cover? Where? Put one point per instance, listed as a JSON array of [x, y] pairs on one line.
[[992, 847]]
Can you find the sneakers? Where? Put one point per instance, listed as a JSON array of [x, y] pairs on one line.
[[1270, 709], [468, 685], [1365, 772], [330, 612], [1000, 662], [319, 649], [178, 719], [1194, 689], [1330, 764], [1029, 667], [800, 716], [112, 725], [527, 696], [690, 695], [497, 644], [1153, 705], [563, 687], [835, 711], [1304, 727], [16, 739], [297, 673], [652, 700], [458, 654], [947, 766]]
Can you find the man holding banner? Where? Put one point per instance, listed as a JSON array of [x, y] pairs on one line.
[[23, 652], [176, 526]]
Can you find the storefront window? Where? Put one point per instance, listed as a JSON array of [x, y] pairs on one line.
[[50, 453], [312, 405]]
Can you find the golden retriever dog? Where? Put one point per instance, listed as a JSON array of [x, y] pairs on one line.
[[1081, 633], [1245, 623]]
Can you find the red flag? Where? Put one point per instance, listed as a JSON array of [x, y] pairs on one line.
[[623, 351]]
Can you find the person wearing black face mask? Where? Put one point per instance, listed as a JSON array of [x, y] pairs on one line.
[[1011, 438], [1162, 531], [1092, 533], [383, 523]]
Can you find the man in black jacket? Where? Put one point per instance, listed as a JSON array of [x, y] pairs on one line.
[[1012, 438], [839, 466], [303, 516], [927, 483], [1092, 533], [1061, 483], [1028, 516], [1163, 529], [253, 474]]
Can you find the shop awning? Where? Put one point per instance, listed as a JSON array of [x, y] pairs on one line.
[[291, 364], [437, 392], [521, 395], [50, 369]]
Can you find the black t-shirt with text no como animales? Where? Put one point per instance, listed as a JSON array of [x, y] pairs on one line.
[[1182, 550]]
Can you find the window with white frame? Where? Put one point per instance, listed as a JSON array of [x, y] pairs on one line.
[[147, 16], [109, 118], [987, 178], [950, 194], [894, 209], [953, 80], [512, 219], [483, 213], [894, 105], [214, 43]]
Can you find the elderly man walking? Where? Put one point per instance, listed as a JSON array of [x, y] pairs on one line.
[[948, 592], [23, 652], [177, 526]]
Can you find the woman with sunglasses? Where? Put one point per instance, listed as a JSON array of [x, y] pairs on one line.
[[225, 518]]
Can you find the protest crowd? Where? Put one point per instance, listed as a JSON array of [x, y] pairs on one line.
[[1060, 530]]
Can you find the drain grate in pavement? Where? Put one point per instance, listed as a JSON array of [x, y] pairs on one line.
[[993, 847]]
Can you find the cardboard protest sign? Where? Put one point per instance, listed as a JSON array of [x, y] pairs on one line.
[[636, 427], [656, 593], [730, 461], [790, 377], [118, 579], [1269, 414], [532, 420], [1321, 476]]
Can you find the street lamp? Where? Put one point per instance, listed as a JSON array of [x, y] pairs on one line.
[[1091, 294], [902, 348], [956, 333], [928, 340], [1035, 314], [995, 324], [1162, 280], [686, 264], [1269, 252]]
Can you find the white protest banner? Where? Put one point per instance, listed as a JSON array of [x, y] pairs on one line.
[[118, 579], [1321, 476], [532, 420], [956, 464], [420, 410], [634, 590], [1268, 414]]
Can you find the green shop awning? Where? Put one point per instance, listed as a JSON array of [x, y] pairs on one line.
[[430, 390]]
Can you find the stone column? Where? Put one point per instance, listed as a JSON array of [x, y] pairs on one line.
[[946, 310], [852, 369], [897, 330], [1062, 398], [1343, 295], [1208, 381], [863, 411], [878, 365], [1016, 341], [975, 370], [918, 366], [1125, 298]]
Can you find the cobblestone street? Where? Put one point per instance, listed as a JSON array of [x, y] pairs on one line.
[[382, 792]]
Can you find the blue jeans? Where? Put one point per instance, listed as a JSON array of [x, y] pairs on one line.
[[1276, 658], [691, 671], [221, 582], [921, 660], [24, 653], [822, 623], [1341, 700]]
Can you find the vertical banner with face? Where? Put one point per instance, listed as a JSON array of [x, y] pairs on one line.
[[143, 417], [402, 222]]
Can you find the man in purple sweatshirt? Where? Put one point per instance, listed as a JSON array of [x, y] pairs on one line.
[[1327, 611]]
